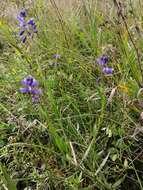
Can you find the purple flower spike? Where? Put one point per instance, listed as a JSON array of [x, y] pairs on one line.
[[30, 89], [27, 28], [108, 70], [56, 56], [30, 81], [103, 60]]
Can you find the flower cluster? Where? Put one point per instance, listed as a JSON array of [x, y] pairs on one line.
[[31, 88], [27, 28], [55, 63], [102, 61]]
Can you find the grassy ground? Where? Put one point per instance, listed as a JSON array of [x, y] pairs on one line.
[[86, 131]]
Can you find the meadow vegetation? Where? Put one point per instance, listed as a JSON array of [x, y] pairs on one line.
[[71, 95]]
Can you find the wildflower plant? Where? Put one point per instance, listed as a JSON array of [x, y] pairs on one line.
[[85, 119], [31, 88], [103, 61], [27, 28], [55, 63], [56, 56]]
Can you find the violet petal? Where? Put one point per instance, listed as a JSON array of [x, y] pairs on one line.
[[24, 90], [36, 91], [108, 70]]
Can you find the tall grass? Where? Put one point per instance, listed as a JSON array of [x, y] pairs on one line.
[[86, 132]]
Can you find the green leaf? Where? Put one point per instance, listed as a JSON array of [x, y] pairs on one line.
[[11, 185], [102, 164], [117, 183], [60, 143]]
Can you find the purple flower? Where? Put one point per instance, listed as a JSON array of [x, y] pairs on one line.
[[21, 20], [30, 88], [23, 39], [104, 59], [24, 90], [22, 13], [30, 81], [33, 25], [21, 32], [27, 28], [31, 22], [35, 99], [36, 91], [108, 70], [56, 56]]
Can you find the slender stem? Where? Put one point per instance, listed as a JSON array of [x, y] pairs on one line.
[[60, 19], [130, 36]]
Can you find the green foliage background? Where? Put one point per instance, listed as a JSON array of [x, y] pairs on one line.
[[86, 132]]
